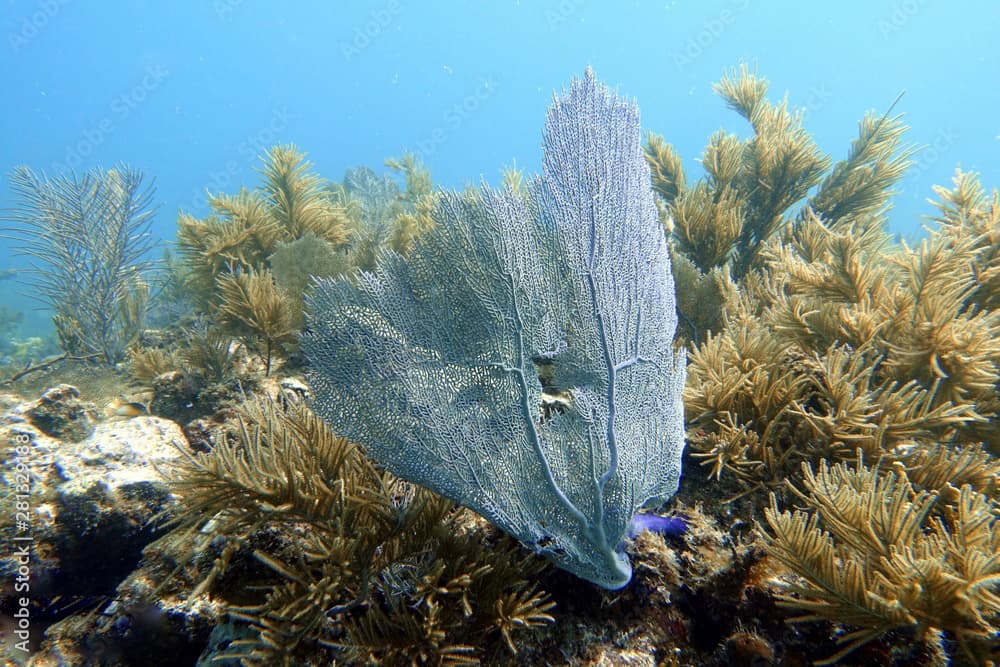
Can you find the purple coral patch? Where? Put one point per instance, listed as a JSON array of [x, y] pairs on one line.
[[671, 526]]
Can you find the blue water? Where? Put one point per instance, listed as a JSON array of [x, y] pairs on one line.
[[192, 92]]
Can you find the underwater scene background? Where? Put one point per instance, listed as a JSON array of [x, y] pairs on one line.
[[287, 291]]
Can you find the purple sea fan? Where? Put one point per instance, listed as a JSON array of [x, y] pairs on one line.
[[436, 363]]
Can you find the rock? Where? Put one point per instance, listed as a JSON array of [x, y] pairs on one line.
[[294, 390], [217, 398], [184, 397], [91, 504], [8, 401], [163, 339], [136, 628], [174, 396], [220, 643], [121, 452], [60, 413], [200, 434]]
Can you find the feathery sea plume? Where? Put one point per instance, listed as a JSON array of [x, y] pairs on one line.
[[87, 239]]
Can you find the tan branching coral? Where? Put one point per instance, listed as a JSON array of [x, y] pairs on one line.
[[858, 190], [770, 171], [839, 342], [699, 304], [668, 174], [846, 411], [208, 352], [699, 209], [255, 309], [945, 469], [876, 554], [784, 375], [729, 219], [244, 229], [375, 570], [946, 339], [415, 205], [827, 337], [147, 363], [741, 382], [967, 211], [912, 312], [296, 199]]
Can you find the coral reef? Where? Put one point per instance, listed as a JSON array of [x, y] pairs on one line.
[[414, 206], [59, 413], [249, 264], [89, 515], [841, 478], [255, 309], [726, 220], [837, 344], [296, 264], [827, 338], [173, 300], [208, 352], [193, 371], [244, 229]]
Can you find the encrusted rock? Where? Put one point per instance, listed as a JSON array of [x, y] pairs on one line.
[[292, 390], [748, 649], [120, 453], [90, 508], [137, 627], [174, 397], [201, 434], [60, 413], [220, 643]]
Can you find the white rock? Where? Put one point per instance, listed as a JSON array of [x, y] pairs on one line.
[[121, 452]]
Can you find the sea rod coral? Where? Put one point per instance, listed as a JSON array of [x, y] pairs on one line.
[[441, 364]]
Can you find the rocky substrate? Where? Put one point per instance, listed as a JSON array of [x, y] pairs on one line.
[[95, 492]]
